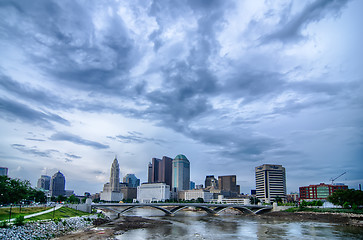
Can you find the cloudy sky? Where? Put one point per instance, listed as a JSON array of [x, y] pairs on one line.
[[230, 84]]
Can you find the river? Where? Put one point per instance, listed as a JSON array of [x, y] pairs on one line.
[[197, 225]]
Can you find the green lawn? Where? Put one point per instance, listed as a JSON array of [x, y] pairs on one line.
[[333, 210], [16, 211], [63, 212]]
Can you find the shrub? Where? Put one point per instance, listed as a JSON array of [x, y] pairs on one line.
[[19, 220], [4, 224], [346, 205]]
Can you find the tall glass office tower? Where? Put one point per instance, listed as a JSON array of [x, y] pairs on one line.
[[180, 173]]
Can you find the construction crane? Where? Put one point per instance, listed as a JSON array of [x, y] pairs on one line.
[[333, 179]]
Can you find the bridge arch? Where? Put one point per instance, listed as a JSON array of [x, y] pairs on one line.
[[167, 212], [262, 210], [241, 209]]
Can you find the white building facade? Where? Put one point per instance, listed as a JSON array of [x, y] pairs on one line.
[[151, 192], [270, 182], [195, 194]]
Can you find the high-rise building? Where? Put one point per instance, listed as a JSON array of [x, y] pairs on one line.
[[228, 184], [319, 192], [270, 182], [159, 170], [210, 180], [181, 173], [131, 180], [57, 185], [43, 182], [155, 162], [192, 185], [115, 176], [149, 172], [112, 190], [3, 171], [165, 166]]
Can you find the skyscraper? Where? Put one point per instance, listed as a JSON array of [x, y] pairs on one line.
[[160, 170], [3, 171], [112, 190], [155, 162], [131, 180], [180, 173], [149, 172], [115, 176], [270, 182], [228, 184], [57, 184], [165, 166], [210, 180], [44, 182]]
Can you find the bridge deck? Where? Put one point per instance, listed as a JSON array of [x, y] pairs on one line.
[[210, 208]]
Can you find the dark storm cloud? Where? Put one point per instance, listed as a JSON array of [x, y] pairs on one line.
[[73, 156], [16, 110], [136, 137], [291, 28], [33, 150], [252, 84], [35, 139], [79, 58], [30, 94], [241, 145], [63, 136]]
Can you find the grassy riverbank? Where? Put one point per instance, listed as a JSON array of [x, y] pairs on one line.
[[16, 211], [63, 212]]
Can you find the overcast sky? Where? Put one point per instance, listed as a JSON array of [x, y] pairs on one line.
[[230, 84]]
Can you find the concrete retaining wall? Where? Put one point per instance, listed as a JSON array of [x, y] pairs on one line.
[[81, 207]]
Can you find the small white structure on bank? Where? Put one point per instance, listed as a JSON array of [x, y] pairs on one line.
[[149, 192], [112, 190], [195, 194]]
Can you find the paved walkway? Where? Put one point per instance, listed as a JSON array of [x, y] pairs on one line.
[[40, 213]]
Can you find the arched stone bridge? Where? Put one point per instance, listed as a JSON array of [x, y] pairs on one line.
[[173, 208]]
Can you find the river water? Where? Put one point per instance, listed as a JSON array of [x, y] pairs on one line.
[[197, 225]]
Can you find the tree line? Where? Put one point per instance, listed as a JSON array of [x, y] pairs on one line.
[[17, 191]]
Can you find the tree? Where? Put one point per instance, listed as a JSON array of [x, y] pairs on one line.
[[347, 198], [73, 199], [37, 196], [14, 190], [61, 198], [254, 200], [278, 199], [200, 200]]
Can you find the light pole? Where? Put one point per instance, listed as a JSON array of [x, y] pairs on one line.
[[53, 211], [10, 211]]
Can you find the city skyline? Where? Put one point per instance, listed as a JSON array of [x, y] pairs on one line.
[[230, 84]]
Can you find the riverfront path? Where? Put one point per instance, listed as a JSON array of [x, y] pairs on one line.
[[40, 213]]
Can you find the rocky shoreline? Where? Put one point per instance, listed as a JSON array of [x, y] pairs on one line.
[[45, 229], [107, 229]]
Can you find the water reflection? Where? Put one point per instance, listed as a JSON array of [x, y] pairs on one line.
[[196, 225]]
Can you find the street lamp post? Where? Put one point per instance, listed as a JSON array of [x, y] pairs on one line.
[[10, 212], [53, 211]]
